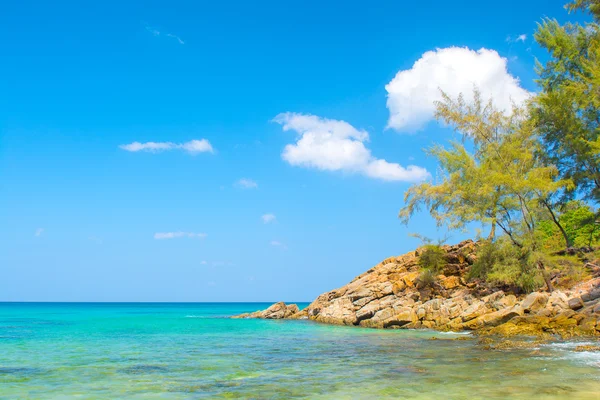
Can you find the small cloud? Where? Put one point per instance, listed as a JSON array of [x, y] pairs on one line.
[[276, 243], [176, 37], [192, 147], [268, 218], [246, 183], [175, 235], [203, 262], [519, 38], [156, 32], [38, 232], [211, 283]]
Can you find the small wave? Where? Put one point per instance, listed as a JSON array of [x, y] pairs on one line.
[[464, 333], [568, 352]]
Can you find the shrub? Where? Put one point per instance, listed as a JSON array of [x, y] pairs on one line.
[[432, 258], [502, 263], [426, 279]]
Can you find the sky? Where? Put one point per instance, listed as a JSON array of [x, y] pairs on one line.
[[232, 150]]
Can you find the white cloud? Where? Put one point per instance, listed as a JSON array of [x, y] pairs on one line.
[[38, 232], [334, 145], [176, 37], [268, 218], [193, 146], [246, 183], [174, 235], [519, 38], [277, 243], [412, 93], [203, 262], [156, 32]]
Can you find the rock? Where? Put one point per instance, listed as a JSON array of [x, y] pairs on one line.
[[575, 303], [591, 295], [587, 347], [475, 310], [387, 296], [276, 311], [450, 282], [558, 300], [410, 278], [534, 302]]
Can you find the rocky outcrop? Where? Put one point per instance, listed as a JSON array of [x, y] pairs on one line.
[[394, 294], [276, 311]]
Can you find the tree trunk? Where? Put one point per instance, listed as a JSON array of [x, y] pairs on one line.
[[545, 276], [557, 223], [492, 232]]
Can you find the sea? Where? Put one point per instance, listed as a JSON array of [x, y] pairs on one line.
[[195, 351]]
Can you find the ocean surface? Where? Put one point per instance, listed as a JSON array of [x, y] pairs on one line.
[[180, 351]]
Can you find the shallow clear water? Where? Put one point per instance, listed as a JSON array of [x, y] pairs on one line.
[[122, 351]]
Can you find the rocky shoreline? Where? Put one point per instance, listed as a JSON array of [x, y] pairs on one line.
[[391, 295]]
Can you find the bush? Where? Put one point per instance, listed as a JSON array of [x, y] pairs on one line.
[[432, 258], [426, 279], [502, 263]]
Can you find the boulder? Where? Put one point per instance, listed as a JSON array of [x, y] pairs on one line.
[[450, 282], [534, 302], [575, 303]]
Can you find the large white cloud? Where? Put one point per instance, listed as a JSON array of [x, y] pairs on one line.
[[455, 70], [193, 146], [337, 146]]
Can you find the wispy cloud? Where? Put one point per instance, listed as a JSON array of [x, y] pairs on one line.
[[518, 38], [246, 183], [277, 243], [175, 235], [175, 37], [38, 232], [268, 218], [193, 146], [156, 32]]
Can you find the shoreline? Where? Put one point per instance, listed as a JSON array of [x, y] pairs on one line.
[[391, 296]]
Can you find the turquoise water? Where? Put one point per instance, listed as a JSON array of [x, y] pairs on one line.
[[180, 351]]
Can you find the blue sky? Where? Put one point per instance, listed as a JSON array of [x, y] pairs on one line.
[[304, 136]]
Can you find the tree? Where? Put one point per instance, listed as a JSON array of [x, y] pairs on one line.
[[494, 176], [500, 182], [566, 112]]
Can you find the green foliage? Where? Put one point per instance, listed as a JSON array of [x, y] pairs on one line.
[[426, 279], [566, 112], [502, 263], [579, 222], [500, 182], [520, 171], [432, 258]]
